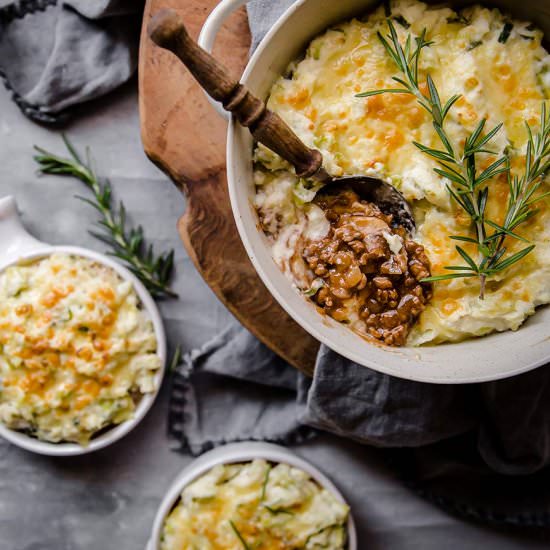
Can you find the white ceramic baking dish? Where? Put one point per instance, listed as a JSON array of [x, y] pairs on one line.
[[492, 357], [17, 245], [231, 454]]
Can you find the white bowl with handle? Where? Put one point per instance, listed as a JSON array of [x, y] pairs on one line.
[[17, 245], [492, 357], [235, 453]]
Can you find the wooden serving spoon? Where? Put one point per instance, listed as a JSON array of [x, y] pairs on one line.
[[167, 30]]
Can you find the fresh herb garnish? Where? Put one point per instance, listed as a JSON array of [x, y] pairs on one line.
[[505, 34], [316, 285], [470, 190], [473, 45], [126, 244], [264, 484], [276, 511], [458, 18], [239, 536]]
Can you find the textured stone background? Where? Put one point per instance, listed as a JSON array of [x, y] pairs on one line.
[[107, 501]]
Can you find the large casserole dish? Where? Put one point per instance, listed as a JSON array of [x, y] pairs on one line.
[[492, 357]]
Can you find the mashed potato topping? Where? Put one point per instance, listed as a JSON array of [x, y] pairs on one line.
[[76, 350], [256, 505], [502, 73]]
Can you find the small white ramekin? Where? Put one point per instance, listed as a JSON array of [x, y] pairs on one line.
[[17, 245], [231, 454]]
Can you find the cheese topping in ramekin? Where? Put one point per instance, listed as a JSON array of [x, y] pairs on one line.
[[76, 349]]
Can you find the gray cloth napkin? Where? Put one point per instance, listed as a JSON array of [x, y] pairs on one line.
[[509, 419], [234, 389], [58, 54]]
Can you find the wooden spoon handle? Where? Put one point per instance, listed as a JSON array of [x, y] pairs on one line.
[[167, 30]]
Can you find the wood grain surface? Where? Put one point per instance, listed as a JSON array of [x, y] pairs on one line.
[[185, 137]]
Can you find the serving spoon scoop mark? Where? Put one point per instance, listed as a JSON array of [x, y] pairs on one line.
[[168, 31]]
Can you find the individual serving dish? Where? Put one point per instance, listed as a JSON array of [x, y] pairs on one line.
[[82, 346], [416, 95], [77, 351], [252, 495], [256, 505]]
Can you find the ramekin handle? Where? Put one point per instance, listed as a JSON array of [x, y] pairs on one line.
[[207, 37], [14, 239]]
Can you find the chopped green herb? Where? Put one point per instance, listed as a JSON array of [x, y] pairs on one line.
[[316, 285], [239, 536], [505, 34], [315, 50], [473, 45], [264, 484], [402, 21], [317, 533], [458, 18]]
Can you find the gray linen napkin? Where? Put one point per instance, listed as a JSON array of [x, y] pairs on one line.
[[502, 428], [234, 389], [57, 54]]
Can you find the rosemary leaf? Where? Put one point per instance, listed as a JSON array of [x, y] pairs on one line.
[[127, 244], [264, 484], [437, 278], [513, 259], [386, 91]]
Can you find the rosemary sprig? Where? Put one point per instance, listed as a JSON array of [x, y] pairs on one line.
[[126, 244], [469, 186]]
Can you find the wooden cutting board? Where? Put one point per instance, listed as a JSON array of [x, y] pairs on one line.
[[185, 137]]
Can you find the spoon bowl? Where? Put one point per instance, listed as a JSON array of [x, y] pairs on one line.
[[378, 192]]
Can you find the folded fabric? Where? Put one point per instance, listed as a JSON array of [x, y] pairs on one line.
[[233, 389], [55, 55]]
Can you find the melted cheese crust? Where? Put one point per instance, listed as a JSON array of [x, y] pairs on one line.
[[503, 82], [76, 350], [271, 507]]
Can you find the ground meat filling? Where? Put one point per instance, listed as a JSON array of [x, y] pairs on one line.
[[368, 269]]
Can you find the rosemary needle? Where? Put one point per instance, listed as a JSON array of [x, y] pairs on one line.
[[127, 244]]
